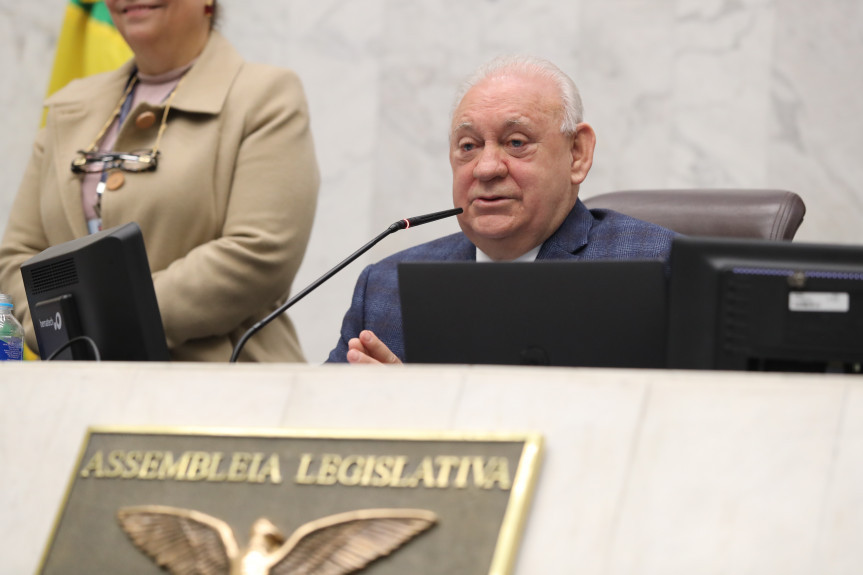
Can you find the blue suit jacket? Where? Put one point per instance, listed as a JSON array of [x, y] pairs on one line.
[[584, 235]]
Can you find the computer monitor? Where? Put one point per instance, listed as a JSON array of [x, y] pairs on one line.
[[98, 286], [576, 313], [765, 306]]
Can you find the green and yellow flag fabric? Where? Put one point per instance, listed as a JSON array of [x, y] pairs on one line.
[[88, 44]]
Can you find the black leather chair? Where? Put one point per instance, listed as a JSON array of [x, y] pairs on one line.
[[738, 213]]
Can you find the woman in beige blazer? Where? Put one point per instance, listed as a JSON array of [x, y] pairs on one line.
[[226, 214]]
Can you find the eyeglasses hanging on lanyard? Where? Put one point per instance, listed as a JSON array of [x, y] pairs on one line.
[[91, 161]]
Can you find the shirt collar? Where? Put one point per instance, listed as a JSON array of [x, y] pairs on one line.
[[530, 256]]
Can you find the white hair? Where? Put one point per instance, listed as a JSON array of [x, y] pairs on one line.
[[573, 110]]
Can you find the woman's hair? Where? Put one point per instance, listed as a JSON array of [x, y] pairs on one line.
[[573, 110]]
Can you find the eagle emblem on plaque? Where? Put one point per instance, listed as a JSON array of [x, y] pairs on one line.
[[189, 542]]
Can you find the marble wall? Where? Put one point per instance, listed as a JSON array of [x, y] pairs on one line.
[[682, 93]]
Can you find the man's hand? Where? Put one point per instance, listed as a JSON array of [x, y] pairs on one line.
[[369, 349]]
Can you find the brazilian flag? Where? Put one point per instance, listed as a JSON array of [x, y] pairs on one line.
[[88, 44]]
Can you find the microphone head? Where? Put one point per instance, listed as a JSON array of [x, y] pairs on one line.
[[424, 219]]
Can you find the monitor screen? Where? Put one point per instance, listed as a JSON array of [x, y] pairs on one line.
[[576, 313], [765, 306], [99, 287]]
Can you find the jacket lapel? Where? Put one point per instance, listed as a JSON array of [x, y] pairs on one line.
[[462, 250], [205, 87], [570, 238], [76, 117]]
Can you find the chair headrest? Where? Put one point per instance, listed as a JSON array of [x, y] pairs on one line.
[[740, 213]]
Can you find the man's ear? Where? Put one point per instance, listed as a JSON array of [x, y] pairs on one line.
[[582, 152]]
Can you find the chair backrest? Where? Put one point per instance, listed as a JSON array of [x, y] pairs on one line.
[[739, 213]]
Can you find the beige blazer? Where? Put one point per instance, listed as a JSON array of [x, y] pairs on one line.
[[226, 216]]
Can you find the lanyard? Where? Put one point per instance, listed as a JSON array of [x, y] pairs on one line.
[[120, 115]]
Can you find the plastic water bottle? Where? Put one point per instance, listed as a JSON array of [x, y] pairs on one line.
[[11, 332]]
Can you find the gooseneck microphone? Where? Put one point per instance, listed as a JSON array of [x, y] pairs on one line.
[[394, 227], [416, 221]]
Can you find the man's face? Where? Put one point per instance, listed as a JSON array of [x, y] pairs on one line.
[[514, 173]]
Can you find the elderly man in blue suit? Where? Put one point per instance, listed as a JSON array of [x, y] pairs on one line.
[[519, 151]]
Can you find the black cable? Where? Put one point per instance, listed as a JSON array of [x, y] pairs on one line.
[[93, 346]]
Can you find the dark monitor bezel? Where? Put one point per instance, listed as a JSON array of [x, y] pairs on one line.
[[101, 284], [705, 330], [602, 313]]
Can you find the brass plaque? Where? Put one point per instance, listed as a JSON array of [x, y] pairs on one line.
[[232, 502]]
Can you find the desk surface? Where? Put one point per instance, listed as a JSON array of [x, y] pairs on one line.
[[644, 471]]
